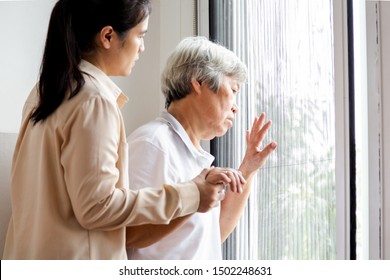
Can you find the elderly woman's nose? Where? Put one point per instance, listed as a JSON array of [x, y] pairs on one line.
[[234, 108]]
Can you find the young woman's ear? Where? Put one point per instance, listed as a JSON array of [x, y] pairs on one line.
[[106, 36]]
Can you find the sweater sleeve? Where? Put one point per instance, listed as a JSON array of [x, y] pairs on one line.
[[89, 157]]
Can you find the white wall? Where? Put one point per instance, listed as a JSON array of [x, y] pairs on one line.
[[23, 25], [170, 21]]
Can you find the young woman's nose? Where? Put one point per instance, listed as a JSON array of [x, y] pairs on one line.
[[142, 46]]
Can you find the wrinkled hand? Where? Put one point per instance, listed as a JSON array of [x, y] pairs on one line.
[[226, 176], [255, 156], [211, 183]]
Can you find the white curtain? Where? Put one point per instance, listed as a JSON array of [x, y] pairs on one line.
[[288, 47]]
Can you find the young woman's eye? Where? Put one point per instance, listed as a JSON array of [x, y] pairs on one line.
[[142, 35]]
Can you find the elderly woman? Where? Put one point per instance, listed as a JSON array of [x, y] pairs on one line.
[[200, 82]]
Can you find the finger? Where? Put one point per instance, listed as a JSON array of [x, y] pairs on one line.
[[255, 120], [237, 178], [235, 188], [248, 136], [265, 127], [269, 149], [242, 178], [237, 181], [242, 181], [207, 170], [219, 177], [204, 173], [233, 182], [258, 130], [259, 137], [265, 153], [258, 123]]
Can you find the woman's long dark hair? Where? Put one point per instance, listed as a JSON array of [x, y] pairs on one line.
[[71, 33]]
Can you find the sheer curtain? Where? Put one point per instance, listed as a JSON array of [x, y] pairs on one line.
[[288, 47]]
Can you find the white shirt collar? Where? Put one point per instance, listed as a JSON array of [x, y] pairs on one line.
[[180, 131]]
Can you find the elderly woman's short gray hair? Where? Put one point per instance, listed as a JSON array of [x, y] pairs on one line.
[[200, 59]]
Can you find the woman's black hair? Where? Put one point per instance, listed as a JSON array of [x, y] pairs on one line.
[[71, 33]]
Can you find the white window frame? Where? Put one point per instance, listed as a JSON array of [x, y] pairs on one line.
[[342, 129], [378, 65]]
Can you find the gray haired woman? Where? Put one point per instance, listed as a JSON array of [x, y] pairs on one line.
[[200, 83]]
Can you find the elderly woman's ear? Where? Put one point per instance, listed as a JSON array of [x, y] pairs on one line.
[[196, 86]]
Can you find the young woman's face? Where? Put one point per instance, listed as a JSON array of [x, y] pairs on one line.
[[127, 52]]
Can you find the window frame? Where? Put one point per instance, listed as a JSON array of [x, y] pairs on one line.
[[378, 196]]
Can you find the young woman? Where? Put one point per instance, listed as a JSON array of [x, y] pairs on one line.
[[70, 194]]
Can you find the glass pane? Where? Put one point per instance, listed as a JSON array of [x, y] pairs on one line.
[[288, 47]]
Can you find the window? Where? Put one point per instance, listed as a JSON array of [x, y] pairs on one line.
[[288, 47]]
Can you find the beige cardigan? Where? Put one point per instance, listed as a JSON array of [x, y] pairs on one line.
[[69, 183]]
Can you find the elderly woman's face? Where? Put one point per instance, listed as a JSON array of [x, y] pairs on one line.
[[221, 108]]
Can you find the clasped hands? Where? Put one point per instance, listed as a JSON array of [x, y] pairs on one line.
[[212, 183]]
